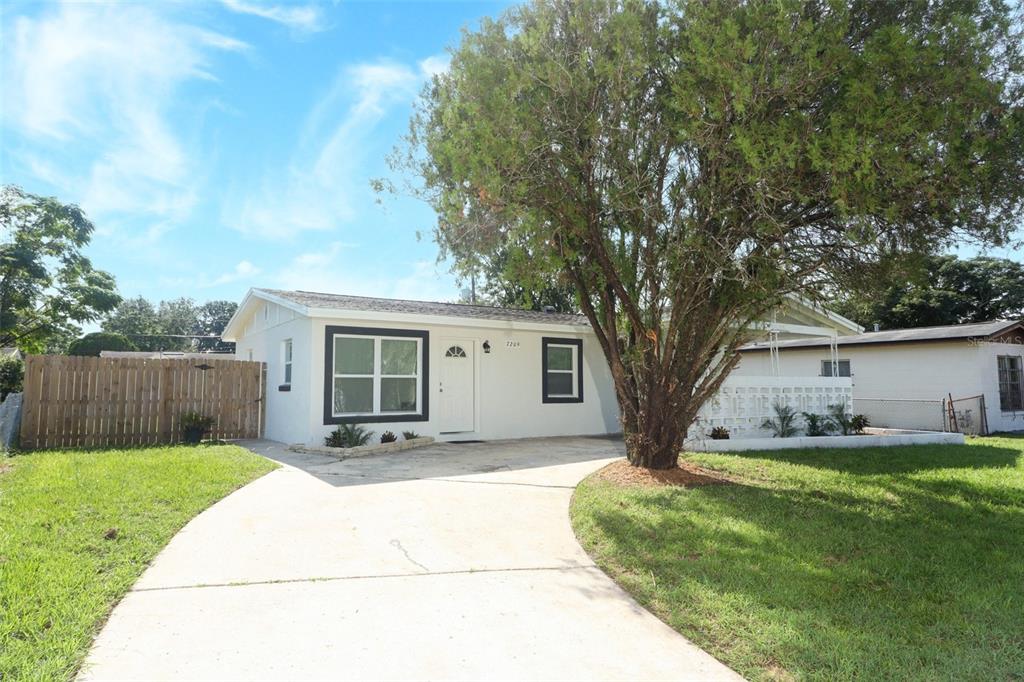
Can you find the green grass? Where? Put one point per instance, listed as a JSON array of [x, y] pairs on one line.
[[77, 528], [873, 564]]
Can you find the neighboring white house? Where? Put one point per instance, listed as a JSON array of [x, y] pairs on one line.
[[459, 372], [901, 377]]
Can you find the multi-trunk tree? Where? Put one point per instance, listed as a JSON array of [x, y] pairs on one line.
[[685, 165]]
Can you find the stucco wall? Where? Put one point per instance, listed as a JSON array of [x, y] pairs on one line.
[[508, 392], [907, 371]]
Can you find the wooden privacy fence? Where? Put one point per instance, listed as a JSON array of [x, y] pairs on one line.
[[99, 402]]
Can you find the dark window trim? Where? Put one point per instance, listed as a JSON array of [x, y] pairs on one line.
[[397, 418], [550, 340], [1010, 393]]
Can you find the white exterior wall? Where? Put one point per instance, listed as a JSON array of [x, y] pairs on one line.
[[507, 390], [907, 371], [287, 412]]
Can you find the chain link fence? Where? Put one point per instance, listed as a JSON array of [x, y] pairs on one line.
[[967, 414]]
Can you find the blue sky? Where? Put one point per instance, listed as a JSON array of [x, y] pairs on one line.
[[230, 144], [226, 145]]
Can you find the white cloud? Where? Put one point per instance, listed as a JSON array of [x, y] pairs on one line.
[[328, 270], [242, 270], [105, 78], [306, 18], [435, 65], [316, 190]]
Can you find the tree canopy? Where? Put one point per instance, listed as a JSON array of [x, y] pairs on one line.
[[172, 325], [944, 290], [47, 285], [95, 342], [685, 165]]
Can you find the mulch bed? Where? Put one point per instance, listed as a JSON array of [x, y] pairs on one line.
[[685, 476]]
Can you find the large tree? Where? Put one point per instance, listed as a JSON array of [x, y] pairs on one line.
[[211, 318], [941, 290], [47, 285], [686, 165]]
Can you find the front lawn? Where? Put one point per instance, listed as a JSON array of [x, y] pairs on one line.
[[873, 564], [77, 528]]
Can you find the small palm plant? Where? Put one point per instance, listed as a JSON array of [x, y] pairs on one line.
[[840, 419], [817, 424], [348, 436], [783, 425]]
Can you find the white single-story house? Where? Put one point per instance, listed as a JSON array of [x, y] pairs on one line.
[[900, 377], [457, 372]]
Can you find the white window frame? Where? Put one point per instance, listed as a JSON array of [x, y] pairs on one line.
[[1009, 379], [573, 372], [287, 355], [377, 376], [828, 364]]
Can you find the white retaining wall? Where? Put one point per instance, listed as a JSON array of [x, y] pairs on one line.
[[871, 438]]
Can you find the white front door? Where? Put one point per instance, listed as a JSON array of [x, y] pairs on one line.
[[457, 386]]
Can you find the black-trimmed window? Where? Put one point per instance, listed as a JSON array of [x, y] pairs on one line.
[[562, 367], [375, 375]]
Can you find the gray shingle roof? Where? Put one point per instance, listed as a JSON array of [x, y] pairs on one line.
[[321, 301], [979, 330]]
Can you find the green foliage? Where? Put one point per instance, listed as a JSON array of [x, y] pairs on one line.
[[409, 435], [162, 326], [841, 419], [388, 437], [12, 374], [817, 424], [940, 290], [859, 422], [685, 165], [92, 344], [80, 527], [194, 426], [783, 424], [348, 436], [47, 285]]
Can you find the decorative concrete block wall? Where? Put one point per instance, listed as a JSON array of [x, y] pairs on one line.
[[744, 402]]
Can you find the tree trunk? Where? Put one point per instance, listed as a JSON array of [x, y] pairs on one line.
[[654, 437]]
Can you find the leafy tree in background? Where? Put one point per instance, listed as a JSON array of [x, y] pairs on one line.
[[211, 318], [171, 325], [686, 165], [92, 344], [533, 289], [943, 290], [47, 285]]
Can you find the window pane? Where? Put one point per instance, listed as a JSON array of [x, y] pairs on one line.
[[397, 395], [560, 383], [288, 351], [353, 395], [559, 357], [288, 373], [397, 357], [353, 356]]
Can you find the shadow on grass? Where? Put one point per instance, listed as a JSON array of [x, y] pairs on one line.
[[915, 575]]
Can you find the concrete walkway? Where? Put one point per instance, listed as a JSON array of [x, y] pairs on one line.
[[451, 562]]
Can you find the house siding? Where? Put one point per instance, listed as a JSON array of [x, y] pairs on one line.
[[907, 371]]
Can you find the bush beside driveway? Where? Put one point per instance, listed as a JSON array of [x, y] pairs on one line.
[[79, 527], [884, 563]]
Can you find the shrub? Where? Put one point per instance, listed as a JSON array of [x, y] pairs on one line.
[[817, 424], [783, 425], [840, 419], [719, 433], [348, 436], [859, 422], [12, 374], [388, 437], [409, 435], [194, 426], [92, 344]]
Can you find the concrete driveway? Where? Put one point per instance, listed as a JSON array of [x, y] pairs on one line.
[[447, 562]]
